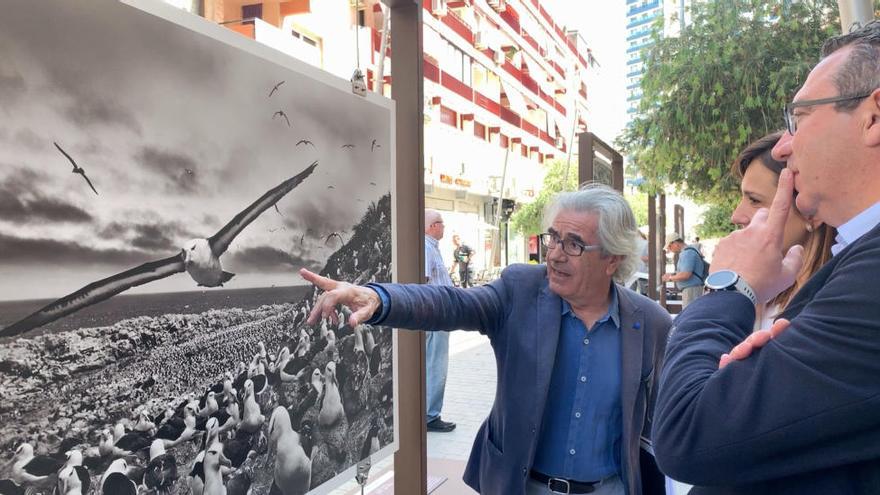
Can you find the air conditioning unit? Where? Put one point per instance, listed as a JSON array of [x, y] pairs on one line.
[[499, 57], [479, 40], [438, 7]]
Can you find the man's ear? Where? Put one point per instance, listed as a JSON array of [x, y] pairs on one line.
[[616, 259], [872, 119]]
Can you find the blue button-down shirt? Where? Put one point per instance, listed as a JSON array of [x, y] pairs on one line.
[[582, 428], [435, 269], [856, 227]]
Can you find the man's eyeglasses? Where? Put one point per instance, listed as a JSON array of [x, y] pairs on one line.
[[570, 247], [791, 120]]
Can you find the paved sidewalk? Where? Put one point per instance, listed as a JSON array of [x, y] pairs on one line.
[[470, 392]]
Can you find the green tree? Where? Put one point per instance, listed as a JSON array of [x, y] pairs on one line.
[[716, 220], [527, 218], [709, 92], [638, 201]]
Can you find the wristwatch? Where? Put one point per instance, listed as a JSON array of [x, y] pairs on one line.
[[730, 280]]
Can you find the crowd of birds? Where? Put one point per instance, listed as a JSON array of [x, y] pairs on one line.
[[302, 404]]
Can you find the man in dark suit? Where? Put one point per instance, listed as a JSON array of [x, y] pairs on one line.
[[576, 352], [801, 415]]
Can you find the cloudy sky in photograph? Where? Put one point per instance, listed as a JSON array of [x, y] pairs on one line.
[[176, 132]]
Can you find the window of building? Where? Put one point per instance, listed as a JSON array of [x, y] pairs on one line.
[[250, 12], [479, 130], [448, 116]]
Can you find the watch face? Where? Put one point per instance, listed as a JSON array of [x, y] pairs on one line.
[[721, 279]]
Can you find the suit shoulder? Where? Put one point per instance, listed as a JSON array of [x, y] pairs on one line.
[[653, 310], [522, 272]]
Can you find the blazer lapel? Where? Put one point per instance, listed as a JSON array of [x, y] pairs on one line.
[[632, 324], [549, 320]]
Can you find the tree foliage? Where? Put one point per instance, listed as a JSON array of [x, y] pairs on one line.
[[527, 218], [719, 85], [716, 220]]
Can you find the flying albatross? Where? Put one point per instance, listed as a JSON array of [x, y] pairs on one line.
[[199, 257]]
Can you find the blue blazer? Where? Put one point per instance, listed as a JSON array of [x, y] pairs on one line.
[[802, 415], [522, 319]]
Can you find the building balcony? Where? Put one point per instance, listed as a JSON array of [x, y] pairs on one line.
[[642, 21], [644, 8], [452, 84], [487, 103], [530, 128], [431, 71], [458, 25], [510, 117], [510, 18]]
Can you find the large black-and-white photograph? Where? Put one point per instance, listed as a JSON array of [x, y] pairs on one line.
[[160, 187]]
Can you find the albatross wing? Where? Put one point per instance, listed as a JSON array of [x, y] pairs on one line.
[[221, 240], [97, 292]]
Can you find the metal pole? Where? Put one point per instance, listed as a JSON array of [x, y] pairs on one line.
[[496, 234], [855, 13]]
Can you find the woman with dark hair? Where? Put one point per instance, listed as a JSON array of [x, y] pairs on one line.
[[759, 174]]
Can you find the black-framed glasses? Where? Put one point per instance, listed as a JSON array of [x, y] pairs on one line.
[[570, 247], [791, 119]]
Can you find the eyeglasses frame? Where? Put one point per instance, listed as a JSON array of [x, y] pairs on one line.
[[548, 237], [791, 123]]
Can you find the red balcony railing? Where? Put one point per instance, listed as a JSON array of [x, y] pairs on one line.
[[560, 107], [558, 68], [458, 25], [513, 71], [451, 83], [530, 84], [530, 128], [547, 139], [432, 72], [487, 103], [510, 117], [511, 19]]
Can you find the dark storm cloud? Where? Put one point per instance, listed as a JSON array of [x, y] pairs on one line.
[[21, 202], [153, 237], [267, 259], [30, 140], [18, 250], [87, 109], [11, 87], [319, 220], [178, 170]]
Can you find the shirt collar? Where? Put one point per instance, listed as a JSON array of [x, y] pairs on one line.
[[613, 309], [430, 240], [855, 228]]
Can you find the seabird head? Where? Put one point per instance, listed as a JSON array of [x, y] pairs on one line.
[[74, 457], [69, 480], [318, 380], [278, 423], [330, 372], [197, 251], [24, 451], [157, 448]]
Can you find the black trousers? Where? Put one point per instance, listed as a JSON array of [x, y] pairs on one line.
[[464, 276]]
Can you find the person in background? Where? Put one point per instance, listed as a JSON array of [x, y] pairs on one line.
[[687, 271], [698, 245], [577, 353], [461, 256], [436, 343]]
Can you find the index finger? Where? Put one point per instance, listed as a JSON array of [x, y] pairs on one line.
[[320, 282], [781, 205]]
